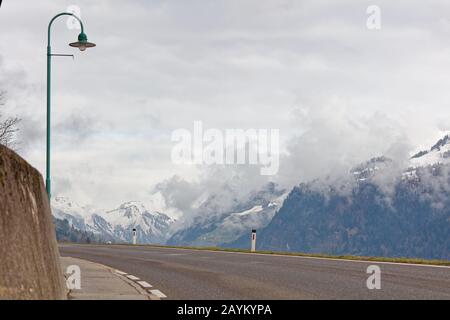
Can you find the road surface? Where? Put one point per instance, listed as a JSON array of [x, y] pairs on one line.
[[198, 274]]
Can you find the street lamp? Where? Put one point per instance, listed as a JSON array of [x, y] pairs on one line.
[[81, 44]]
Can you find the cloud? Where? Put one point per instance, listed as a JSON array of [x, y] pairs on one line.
[[77, 127], [179, 193], [216, 190], [334, 140], [338, 92], [435, 186], [17, 93]]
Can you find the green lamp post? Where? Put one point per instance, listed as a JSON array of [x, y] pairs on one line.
[[81, 44]]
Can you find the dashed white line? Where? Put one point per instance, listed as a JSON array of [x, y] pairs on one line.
[[144, 284], [158, 293], [121, 272]]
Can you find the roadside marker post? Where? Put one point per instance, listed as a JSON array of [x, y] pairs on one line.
[[253, 240], [134, 236]]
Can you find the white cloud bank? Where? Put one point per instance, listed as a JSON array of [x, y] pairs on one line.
[[338, 92]]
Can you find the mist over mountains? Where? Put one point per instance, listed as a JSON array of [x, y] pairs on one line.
[[211, 225], [214, 225], [376, 210], [379, 208]]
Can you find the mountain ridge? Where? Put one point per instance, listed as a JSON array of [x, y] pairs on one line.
[[352, 215], [117, 224], [411, 219]]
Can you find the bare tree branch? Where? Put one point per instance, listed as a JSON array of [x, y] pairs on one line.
[[8, 128]]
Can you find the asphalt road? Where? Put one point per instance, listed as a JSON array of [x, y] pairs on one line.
[[195, 274]]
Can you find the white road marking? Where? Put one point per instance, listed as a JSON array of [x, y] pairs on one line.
[[176, 254], [121, 272], [158, 293], [315, 258], [131, 277], [144, 284]]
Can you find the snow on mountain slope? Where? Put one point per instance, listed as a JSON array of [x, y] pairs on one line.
[[367, 169], [115, 225], [439, 153], [214, 225], [152, 227], [64, 209], [157, 203], [255, 209], [63, 206], [257, 217]]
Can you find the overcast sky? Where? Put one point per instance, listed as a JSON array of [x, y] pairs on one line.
[[339, 92]]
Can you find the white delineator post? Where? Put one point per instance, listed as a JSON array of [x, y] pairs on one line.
[[134, 236], [253, 240]]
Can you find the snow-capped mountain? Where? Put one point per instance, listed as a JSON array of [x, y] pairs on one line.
[[439, 153], [384, 209], [151, 227], [381, 207], [64, 209], [367, 169], [115, 225], [213, 225]]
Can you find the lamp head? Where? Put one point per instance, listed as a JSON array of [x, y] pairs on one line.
[[82, 42]]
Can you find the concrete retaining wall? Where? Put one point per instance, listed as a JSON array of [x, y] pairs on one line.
[[29, 257]]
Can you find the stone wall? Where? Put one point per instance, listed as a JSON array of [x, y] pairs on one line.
[[29, 257]]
